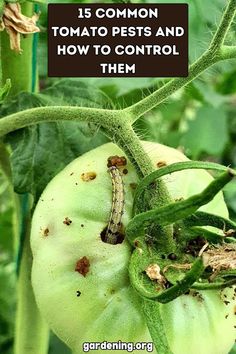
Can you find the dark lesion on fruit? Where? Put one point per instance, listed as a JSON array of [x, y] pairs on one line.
[[161, 163], [45, 232], [88, 176], [197, 295], [82, 266], [117, 161], [118, 236], [67, 221]]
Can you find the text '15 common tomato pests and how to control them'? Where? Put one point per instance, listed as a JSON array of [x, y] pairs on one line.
[[117, 177], [135, 40]]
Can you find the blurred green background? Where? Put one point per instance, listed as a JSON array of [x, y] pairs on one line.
[[200, 120]]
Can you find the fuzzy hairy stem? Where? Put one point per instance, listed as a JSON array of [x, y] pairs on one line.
[[131, 114], [223, 28], [227, 52], [155, 326], [115, 122], [57, 113]]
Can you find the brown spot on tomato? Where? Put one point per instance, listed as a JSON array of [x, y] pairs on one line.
[[67, 221], [161, 164], [46, 232], [71, 174], [117, 161], [82, 225], [82, 266], [125, 171], [88, 176]]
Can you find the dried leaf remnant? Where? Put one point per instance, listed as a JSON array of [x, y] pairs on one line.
[[16, 24]]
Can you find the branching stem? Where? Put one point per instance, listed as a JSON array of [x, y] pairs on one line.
[[223, 28]]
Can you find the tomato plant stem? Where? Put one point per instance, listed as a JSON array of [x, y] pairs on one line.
[[15, 66], [31, 332], [228, 52], [225, 23], [104, 117], [157, 97], [212, 55]]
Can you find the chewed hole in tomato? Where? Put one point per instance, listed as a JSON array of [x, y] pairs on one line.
[[118, 235], [67, 221]]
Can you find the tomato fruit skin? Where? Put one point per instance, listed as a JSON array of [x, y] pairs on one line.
[[108, 309]]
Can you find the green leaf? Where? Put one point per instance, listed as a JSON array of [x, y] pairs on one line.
[[207, 132], [194, 92], [227, 84], [76, 93], [39, 152], [210, 95]]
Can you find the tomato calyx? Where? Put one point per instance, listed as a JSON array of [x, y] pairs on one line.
[[200, 257]]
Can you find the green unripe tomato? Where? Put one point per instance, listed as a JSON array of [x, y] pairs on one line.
[[81, 284]]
